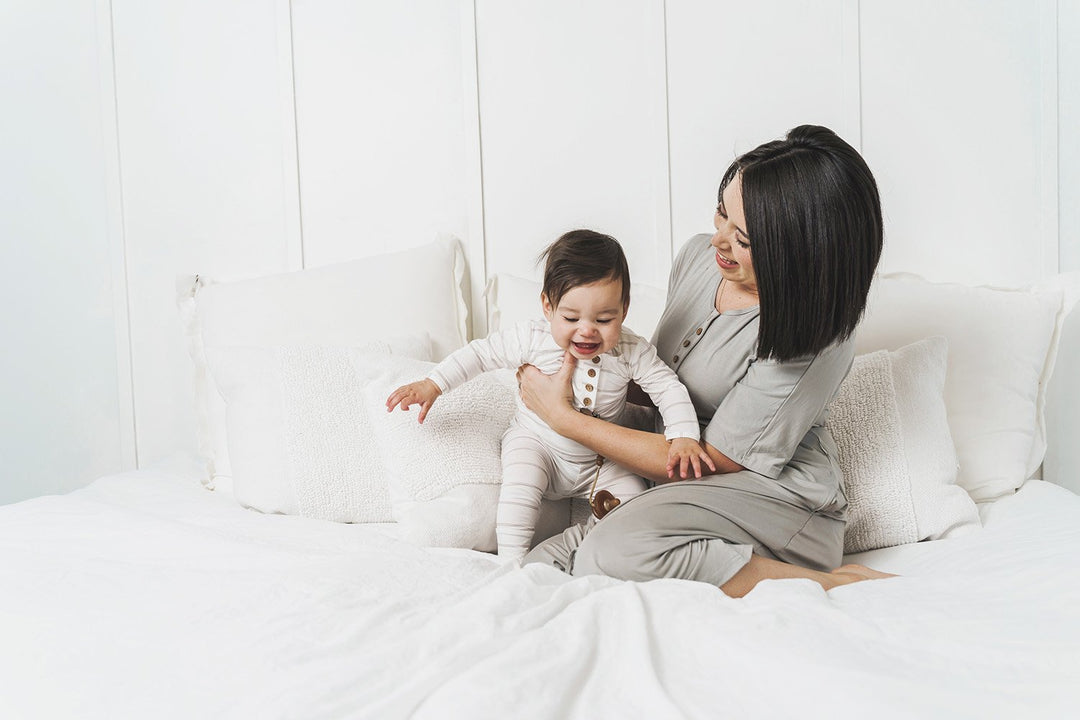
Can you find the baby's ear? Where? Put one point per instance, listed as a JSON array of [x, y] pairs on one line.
[[625, 309], [549, 310]]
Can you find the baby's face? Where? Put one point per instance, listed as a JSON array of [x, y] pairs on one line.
[[588, 319]]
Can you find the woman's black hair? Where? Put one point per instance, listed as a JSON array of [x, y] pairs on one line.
[[813, 217], [581, 257]]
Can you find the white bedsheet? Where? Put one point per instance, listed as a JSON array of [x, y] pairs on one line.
[[145, 596]]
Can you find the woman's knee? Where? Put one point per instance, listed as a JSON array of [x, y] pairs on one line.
[[613, 549]]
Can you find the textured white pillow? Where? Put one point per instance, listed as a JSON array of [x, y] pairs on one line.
[[415, 291], [895, 450], [444, 475], [1002, 345], [511, 299], [299, 439]]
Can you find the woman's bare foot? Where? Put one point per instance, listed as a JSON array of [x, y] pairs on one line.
[[846, 574]]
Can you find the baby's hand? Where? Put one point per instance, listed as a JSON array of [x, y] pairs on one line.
[[685, 453], [422, 393]]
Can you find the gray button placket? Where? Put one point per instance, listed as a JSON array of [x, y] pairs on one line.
[[690, 340]]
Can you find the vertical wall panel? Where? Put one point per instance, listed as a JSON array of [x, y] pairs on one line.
[[1063, 409], [117, 245], [740, 74], [1068, 64], [60, 420], [952, 128], [204, 176], [573, 128], [381, 125]]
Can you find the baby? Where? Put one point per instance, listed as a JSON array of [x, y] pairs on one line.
[[585, 298]]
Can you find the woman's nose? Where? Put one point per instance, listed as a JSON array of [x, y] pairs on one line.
[[721, 239]]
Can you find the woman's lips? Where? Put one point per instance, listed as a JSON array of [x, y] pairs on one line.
[[725, 263]]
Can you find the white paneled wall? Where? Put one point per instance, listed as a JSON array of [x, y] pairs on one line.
[[953, 127], [381, 125], [1063, 410], [731, 88], [205, 184], [574, 131], [62, 369], [142, 141], [1068, 88]]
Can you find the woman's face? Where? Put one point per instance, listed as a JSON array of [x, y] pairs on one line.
[[730, 240]]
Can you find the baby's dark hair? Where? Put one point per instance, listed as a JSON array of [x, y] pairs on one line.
[[581, 257]]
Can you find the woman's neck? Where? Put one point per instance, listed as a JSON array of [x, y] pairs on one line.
[[734, 296]]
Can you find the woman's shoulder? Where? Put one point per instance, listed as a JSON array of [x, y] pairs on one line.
[[689, 259], [693, 247]]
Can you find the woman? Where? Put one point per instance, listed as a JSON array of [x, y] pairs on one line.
[[758, 326]]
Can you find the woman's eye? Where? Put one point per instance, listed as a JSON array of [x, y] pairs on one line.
[[745, 246]]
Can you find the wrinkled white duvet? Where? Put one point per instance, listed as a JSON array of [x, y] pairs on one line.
[[145, 596]]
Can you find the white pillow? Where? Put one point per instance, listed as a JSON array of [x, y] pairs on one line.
[[309, 434], [356, 303], [511, 299], [444, 475], [299, 439], [1002, 345], [895, 450]]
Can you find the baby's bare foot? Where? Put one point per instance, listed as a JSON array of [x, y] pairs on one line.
[[855, 573]]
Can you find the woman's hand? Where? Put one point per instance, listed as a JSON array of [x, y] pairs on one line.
[[685, 453], [549, 396]]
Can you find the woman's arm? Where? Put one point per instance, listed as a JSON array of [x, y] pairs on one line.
[[643, 453]]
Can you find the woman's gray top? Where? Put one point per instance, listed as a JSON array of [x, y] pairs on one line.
[[766, 415]]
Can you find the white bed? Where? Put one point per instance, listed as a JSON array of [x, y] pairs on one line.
[[147, 594], [143, 595]]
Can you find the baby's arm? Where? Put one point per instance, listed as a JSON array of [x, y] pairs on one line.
[[684, 454], [507, 348], [423, 393], [498, 350]]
